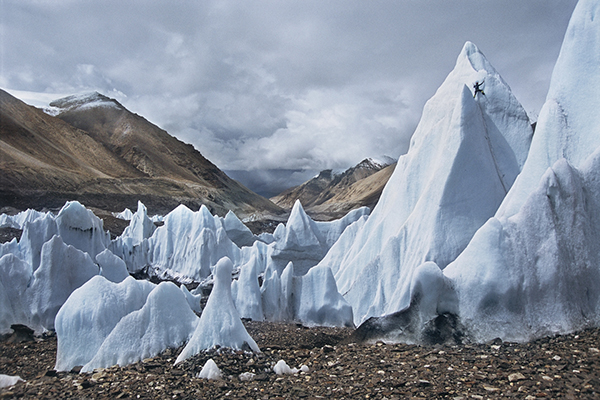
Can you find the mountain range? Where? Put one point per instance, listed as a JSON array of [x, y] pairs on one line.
[[96, 151], [331, 195], [92, 149]]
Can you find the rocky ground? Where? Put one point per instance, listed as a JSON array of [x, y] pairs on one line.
[[558, 367]]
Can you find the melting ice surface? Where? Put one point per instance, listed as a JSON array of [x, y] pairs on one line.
[[445, 240], [220, 323], [535, 264], [66, 274], [464, 156]]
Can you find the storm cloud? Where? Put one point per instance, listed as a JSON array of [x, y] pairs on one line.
[[275, 84]]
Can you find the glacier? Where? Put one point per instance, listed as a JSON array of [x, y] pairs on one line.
[[111, 267], [165, 321], [532, 269], [18, 221], [79, 227], [536, 273], [140, 226], [288, 268], [35, 234], [57, 254], [188, 244], [54, 256], [464, 155], [484, 228], [105, 323], [15, 275], [210, 371], [65, 274], [63, 268], [568, 122], [246, 292], [8, 380], [312, 299], [91, 313]]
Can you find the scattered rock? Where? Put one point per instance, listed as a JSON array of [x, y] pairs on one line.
[[335, 370]]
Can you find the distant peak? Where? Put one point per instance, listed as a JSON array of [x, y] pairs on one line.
[[381, 161], [367, 163], [375, 163], [85, 101]]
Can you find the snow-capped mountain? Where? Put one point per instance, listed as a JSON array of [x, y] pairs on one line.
[[332, 195], [464, 156], [98, 152], [82, 102]]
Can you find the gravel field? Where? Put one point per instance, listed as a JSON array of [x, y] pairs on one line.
[[557, 367]]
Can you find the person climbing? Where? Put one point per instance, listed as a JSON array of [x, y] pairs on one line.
[[478, 89]]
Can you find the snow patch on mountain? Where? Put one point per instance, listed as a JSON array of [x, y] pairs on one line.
[[83, 101]]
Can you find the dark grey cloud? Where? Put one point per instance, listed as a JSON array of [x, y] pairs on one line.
[[276, 84]]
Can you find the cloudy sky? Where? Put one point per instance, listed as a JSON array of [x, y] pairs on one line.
[[276, 84]]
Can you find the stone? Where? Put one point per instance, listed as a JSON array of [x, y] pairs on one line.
[[21, 333], [517, 376]]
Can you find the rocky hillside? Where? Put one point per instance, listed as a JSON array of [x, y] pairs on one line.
[[339, 200], [97, 152], [330, 195], [307, 192]]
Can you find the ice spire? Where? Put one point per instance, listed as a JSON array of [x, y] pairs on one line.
[[464, 155]]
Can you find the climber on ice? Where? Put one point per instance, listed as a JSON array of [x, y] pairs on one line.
[[478, 89]]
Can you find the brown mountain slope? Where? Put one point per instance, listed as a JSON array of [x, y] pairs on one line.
[[143, 145], [330, 196], [340, 187], [364, 192], [44, 151], [307, 192], [45, 161]]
